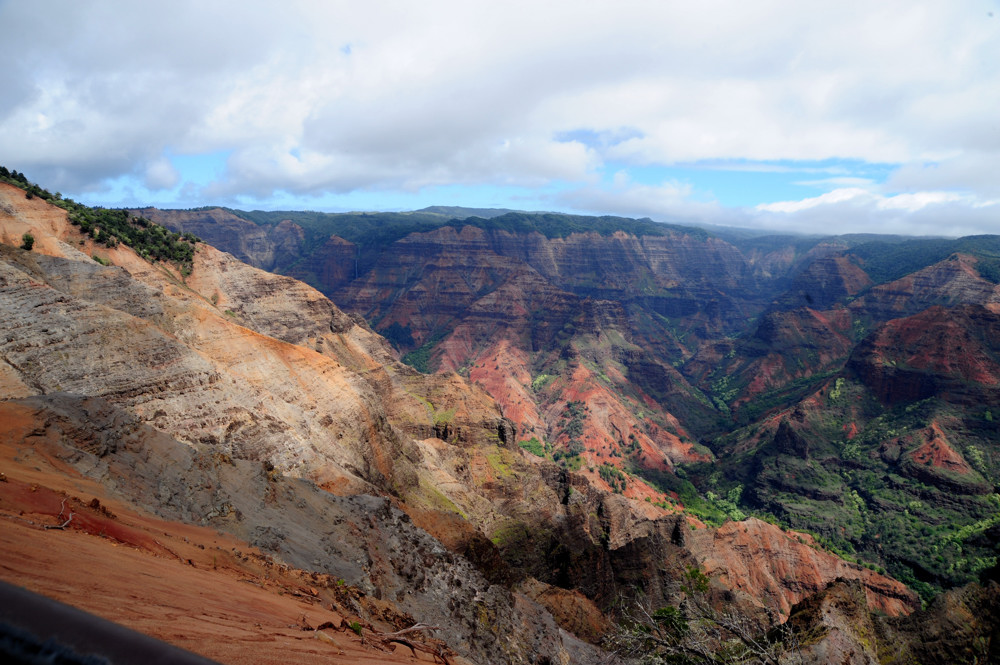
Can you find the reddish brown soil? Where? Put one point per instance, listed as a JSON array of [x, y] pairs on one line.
[[937, 451], [190, 586], [571, 609], [782, 568]]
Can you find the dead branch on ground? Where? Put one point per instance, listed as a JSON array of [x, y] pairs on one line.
[[382, 641], [65, 524]]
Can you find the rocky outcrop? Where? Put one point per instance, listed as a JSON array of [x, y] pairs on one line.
[[952, 353], [954, 281], [268, 248], [780, 568], [825, 282], [960, 626], [835, 626], [598, 544]]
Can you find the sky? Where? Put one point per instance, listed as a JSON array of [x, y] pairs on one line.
[[816, 117]]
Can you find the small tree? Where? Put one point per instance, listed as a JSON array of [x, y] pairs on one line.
[[27, 241]]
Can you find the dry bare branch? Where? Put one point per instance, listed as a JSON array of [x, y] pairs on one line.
[[62, 508], [438, 651], [697, 633]]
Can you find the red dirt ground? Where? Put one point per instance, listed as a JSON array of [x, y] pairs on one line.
[[190, 586]]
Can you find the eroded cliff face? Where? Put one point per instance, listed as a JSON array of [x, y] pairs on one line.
[[759, 559], [542, 323], [835, 626], [786, 346], [823, 319], [952, 353], [448, 269], [908, 486], [193, 372], [951, 282], [256, 373], [262, 247], [258, 364], [826, 281]]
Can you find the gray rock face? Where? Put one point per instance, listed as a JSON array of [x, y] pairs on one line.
[[175, 362], [362, 539]]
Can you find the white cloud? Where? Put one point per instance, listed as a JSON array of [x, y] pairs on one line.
[[830, 198], [974, 171], [855, 210], [161, 174], [839, 182], [339, 96], [910, 202], [669, 201]]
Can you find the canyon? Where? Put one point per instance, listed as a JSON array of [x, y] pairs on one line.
[[584, 414]]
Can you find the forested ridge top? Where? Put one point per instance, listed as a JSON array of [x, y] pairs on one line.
[[385, 227], [883, 257], [111, 226]]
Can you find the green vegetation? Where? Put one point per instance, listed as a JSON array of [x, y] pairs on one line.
[[420, 359], [109, 227], [554, 225], [887, 261], [149, 240], [571, 424], [729, 503], [677, 484], [499, 460], [27, 241], [613, 476], [866, 498], [534, 446], [444, 416], [399, 336], [540, 382], [384, 228]]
